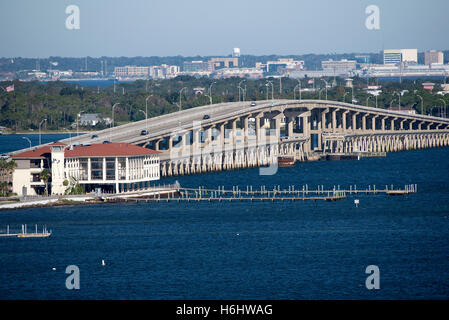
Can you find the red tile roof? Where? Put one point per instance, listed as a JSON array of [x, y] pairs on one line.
[[108, 150], [37, 153], [120, 149]]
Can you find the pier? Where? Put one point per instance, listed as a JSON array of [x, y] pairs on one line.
[[262, 193], [24, 234]]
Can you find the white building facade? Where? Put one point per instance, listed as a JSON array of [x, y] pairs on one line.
[[112, 167]]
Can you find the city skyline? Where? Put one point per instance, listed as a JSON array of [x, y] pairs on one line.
[[212, 29]]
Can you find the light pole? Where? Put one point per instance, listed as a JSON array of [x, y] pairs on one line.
[[325, 86], [399, 95], [391, 102], [367, 100], [146, 118], [180, 98], [146, 110], [344, 96], [40, 130], [422, 103], [28, 141], [444, 107], [112, 123], [240, 88], [210, 91], [272, 90], [294, 90]]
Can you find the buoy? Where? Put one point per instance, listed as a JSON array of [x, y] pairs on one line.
[[54, 269], [102, 263]]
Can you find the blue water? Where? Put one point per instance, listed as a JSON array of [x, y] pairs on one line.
[[14, 142], [300, 250]]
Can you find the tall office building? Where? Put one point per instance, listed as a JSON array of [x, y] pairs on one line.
[[397, 56], [433, 56]]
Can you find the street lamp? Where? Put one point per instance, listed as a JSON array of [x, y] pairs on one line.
[[239, 87], [28, 141], [294, 90], [391, 102], [40, 130], [399, 95], [210, 91], [367, 101], [146, 118], [112, 123], [146, 110], [272, 89], [325, 86], [444, 107], [180, 99], [422, 103]]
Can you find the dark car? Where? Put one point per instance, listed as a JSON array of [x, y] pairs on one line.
[[143, 132], [106, 141], [206, 116], [94, 136]]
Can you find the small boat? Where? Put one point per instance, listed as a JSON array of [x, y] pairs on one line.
[[286, 161]]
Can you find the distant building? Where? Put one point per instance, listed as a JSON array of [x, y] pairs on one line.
[[250, 73], [428, 85], [236, 52], [131, 71], [219, 63], [193, 67], [163, 71], [89, 119], [433, 56], [284, 65], [342, 67], [112, 167], [398, 56]]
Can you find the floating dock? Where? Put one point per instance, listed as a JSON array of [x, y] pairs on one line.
[[24, 234]]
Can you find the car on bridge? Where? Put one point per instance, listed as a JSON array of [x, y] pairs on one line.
[[206, 116], [253, 104], [94, 136], [106, 141], [144, 132]]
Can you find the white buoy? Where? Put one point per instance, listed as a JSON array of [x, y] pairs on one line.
[[102, 263], [54, 269]]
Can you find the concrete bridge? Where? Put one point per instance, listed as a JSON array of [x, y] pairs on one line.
[[238, 134]]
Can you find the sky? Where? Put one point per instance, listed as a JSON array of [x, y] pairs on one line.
[[114, 28]]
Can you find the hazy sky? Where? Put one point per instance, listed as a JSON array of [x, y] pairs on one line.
[[31, 28]]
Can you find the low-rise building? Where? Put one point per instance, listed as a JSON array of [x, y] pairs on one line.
[[111, 167]]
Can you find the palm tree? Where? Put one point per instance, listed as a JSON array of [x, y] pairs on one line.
[[45, 175]]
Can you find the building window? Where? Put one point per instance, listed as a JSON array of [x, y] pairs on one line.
[[96, 165], [110, 168]]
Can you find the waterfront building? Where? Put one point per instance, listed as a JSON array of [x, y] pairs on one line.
[[111, 167], [250, 73], [131, 71], [199, 66]]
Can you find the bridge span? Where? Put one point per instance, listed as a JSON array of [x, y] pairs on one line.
[[238, 134]]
